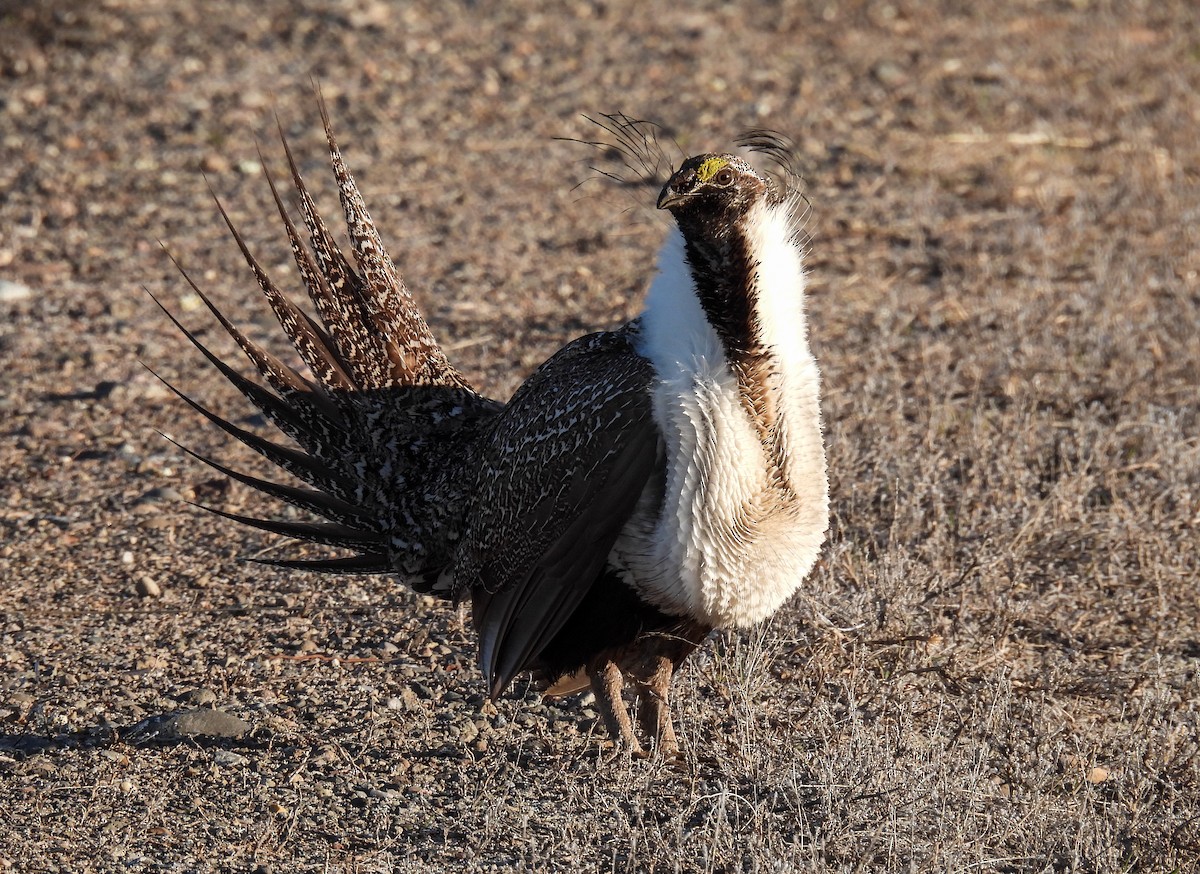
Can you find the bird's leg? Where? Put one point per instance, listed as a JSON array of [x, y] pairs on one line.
[[653, 673], [607, 684], [654, 706]]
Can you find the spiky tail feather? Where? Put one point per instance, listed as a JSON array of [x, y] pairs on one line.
[[379, 385]]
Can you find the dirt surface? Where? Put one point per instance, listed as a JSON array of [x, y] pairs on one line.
[[994, 667]]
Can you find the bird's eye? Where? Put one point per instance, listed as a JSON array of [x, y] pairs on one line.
[[725, 177]]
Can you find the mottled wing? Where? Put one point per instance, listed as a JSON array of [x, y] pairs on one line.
[[570, 457]]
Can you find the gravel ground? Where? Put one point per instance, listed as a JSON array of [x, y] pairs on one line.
[[992, 669]]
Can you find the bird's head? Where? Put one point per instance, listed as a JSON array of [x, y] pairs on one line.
[[708, 188]]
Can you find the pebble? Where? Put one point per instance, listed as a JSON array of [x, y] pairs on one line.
[[42, 767], [889, 74], [214, 723], [214, 163], [11, 292], [160, 493], [326, 755], [467, 731], [147, 587], [200, 697], [421, 691], [228, 759]]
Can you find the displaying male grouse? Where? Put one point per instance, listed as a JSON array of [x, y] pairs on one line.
[[643, 487]]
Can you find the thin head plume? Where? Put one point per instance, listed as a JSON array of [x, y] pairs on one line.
[[784, 172], [637, 144]]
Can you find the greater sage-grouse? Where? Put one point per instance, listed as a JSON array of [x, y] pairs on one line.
[[644, 486]]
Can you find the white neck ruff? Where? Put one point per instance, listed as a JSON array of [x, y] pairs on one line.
[[726, 548]]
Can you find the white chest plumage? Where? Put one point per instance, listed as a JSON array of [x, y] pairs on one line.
[[730, 545]]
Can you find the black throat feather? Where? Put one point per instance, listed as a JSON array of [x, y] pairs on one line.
[[724, 271]]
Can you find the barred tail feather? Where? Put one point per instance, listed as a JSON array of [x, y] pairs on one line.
[[414, 355], [339, 297], [310, 274], [308, 340]]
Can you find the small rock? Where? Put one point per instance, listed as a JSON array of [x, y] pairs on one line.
[[214, 162], [198, 697], [213, 723], [467, 731], [326, 755], [126, 786], [161, 493], [228, 759], [1097, 775], [421, 691], [11, 292], [889, 73], [189, 723], [42, 767], [411, 700], [147, 587]]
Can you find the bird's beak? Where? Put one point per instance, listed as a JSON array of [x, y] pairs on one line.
[[670, 198], [677, 189]]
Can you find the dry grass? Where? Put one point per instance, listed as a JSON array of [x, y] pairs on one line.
[[994, 666]]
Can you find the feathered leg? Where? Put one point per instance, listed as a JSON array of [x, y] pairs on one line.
[[654, 706], [652, 672], [607, 684]]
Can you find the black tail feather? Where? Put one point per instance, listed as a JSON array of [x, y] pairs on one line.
[[313, 501], [327, 533], [377, 382], [297, 463], [308, 427], [365, 563]]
